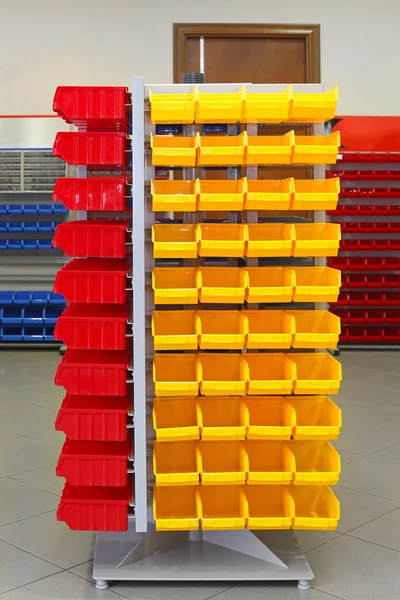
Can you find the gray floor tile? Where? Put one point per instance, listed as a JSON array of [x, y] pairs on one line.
[[392, 453], [162, 591], [44, 478], [62, 586], [263, 591], [42, 393], [358, 508], [374, 476], [347, 457], [365, 440], [356, 570], [36, 422], [370, 362], [367, 390], [19, 454], [384, 531], [311, 539], [19, 501], [8, 404], [46, 538], [377, 417], [19, 568]]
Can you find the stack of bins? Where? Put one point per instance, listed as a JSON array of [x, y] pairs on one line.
[[94, 414], [369, 257], [242, 432]]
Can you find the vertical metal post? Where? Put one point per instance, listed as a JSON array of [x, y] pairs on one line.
[[138, 317]]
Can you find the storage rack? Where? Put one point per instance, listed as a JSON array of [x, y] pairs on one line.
[[369, 258], [98, 427], [28, 260]]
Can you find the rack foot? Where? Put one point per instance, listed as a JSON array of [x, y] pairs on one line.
[[304, 584], [101, 584]]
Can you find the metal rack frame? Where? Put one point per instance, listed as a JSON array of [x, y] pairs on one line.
[[142, 553]]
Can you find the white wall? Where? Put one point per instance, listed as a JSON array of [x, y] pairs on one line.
[[45, 43]]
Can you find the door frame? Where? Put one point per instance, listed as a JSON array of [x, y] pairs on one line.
[[310, 34]]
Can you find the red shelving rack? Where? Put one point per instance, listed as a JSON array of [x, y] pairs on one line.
[[369, 256]]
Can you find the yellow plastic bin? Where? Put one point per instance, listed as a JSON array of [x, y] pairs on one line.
[[219, 108], [317, 194], [270, 284], [270, 507], [174, 241], [316, 239], [221, 239], [269, 194], [269, 463], [172, 108], [316, 284], [317, 418], [266, 108], [180, 195], [223, 418], [176, 374], [221, 329], [269, 374], [177, 463], [176, 419], [224, 463], [173, 151], [176, 508], [221, 194], [317, 463], [223, 507], [175, 285], [269, 239], [317, 373], [314, 107], [222, 374], [272, 329], [269, 149], [316, 149], [270, 418], [315, 329], [222, 284], [316, 507], [221, 150], [174, 330]]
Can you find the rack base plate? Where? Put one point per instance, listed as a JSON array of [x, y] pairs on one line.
[[172, 556]]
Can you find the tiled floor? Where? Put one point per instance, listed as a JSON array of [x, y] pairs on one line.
[[41, 559]]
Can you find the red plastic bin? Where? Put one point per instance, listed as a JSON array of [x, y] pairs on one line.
[[94, 508], [96, 239], [97, 150], [97, 107], [83, 372], [98, 281], [94, 418], [392, 298], [93, 327], [93, 193], [94, 463]]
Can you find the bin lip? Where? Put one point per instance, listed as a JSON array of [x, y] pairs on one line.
[[95, 494], [76, 312], [95, 224], [117, 265]]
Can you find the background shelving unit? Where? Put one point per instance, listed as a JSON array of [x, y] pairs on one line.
[[28, 261], [369, 258]]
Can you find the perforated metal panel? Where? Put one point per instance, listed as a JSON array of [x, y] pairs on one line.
[[29, 171]]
